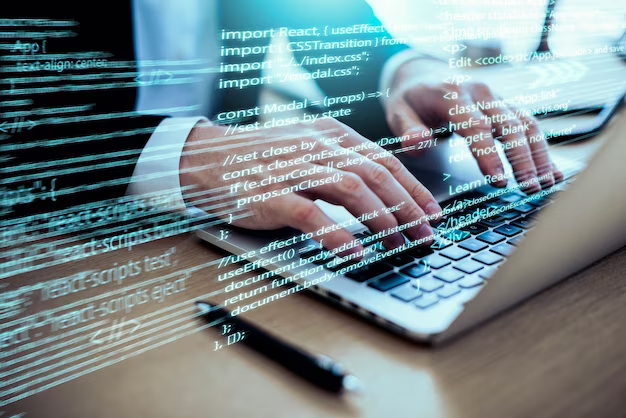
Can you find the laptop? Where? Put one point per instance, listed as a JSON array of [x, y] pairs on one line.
[[474, 269]]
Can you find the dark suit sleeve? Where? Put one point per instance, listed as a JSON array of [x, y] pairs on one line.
[[365, 63], [67, 108], [367, 116]]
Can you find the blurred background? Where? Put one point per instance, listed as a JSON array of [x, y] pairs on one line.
[[592, 23]]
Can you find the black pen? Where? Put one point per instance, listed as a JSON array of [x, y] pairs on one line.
[[319, 370]]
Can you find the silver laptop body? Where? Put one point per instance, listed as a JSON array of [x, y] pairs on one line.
[[585, 223]]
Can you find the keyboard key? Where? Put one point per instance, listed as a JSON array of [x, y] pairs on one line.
[[524, 222], [369, 271], [503, 249], [337, 267], [487, 273], [440, 243], [328, 256], [468, 266], [470, 281], [449, 275], [448, 290], [436, 222], [429, 284], [426, 301], [488, 258], [416, 270], [525, 208], [388, 282], [540, 202], [493, 221], [516, 240], [419, 251], [511, 197], [491, 237], [398, 260], [473, 245], [435, 261], [367, 235], [312, 252], [454, 253], [495, 203], [376, 246], [508, 230], [509, 215], [464, 213], [360, 236], [475, 193], [532, 215], [475, 228], [406, 293], [456, 236]]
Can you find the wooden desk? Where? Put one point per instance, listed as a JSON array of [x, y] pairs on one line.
[[560, 354]]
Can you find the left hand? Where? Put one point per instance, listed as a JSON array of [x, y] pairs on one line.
[[417, 103]]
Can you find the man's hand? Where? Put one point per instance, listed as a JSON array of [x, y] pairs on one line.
[[418, 103], [265, 174]]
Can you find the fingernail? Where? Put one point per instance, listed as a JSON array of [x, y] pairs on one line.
[[558, 176], [500, 173], [532, 184], [394, 240], [433, 208], [424, 231], [357, 248], [547, 179]]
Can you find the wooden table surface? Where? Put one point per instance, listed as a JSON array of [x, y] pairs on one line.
[[559, 354]]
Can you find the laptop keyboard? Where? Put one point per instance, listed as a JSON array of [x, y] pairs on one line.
[[456, 262]]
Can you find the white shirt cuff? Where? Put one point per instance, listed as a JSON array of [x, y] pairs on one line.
[[156, 173]]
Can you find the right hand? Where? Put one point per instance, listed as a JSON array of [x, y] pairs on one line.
[[421, 100], [376, 180]]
